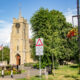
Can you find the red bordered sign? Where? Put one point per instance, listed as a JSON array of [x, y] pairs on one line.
[[39, 46]]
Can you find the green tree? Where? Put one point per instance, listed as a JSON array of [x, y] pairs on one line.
[[52, 27], [6, 54]]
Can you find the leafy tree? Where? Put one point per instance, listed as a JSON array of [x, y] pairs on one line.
[[52, 27], [6, 54]]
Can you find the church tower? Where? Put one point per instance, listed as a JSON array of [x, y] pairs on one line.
[[19, 43]]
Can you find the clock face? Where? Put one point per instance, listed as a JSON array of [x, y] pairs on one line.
[[17, 25]]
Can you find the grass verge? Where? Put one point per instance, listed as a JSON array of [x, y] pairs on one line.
[[65, 72]]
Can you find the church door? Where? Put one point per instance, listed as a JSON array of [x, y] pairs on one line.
[[18, 59]]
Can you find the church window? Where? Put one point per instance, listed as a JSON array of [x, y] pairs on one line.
[[17, 26], [17, 48]]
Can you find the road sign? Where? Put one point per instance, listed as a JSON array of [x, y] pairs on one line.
[[39, 46], [39, 51]]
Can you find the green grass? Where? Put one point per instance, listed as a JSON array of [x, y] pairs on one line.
[[22, 79], [69, 72], [23, 71]]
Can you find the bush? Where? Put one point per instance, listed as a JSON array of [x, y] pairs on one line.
[[8, 67], [7, 72], [28, 64], [36, 66], [43, 65], [17, 72]]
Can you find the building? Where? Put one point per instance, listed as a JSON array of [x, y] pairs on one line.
[[19, 43]]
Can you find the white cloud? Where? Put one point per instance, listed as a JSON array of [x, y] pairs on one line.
[[1, 21], [69, 13], [30, 31], [5, 32], [5, 29]]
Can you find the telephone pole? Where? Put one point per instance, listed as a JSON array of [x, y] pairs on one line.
[[78, 17]]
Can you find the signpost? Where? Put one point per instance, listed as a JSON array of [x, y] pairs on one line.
[[39, 50]]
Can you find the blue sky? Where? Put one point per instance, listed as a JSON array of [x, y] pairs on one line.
[[9, 9]]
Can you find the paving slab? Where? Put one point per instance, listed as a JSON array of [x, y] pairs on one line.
[[28, 72], [6, 79]]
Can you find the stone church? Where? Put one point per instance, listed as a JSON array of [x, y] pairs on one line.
[[19, 43]]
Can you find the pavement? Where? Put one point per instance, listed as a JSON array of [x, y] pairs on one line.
[[29, 72], [6, 79]]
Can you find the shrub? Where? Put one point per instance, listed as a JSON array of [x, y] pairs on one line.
[[19, 72], [8, 67], [36, 66], [7, 72], [28, 64]]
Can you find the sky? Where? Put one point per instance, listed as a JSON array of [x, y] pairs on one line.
[[9, 9]]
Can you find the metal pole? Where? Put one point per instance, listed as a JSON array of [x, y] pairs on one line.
[[2, 53], [78, 31], [40, 65], [53, 64]]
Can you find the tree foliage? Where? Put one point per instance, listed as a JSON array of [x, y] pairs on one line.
[[53, 28], [6, 54]]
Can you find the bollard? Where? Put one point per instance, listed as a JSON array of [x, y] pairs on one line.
[[17, 67], [46, 74], [2, 72], [12, 72]]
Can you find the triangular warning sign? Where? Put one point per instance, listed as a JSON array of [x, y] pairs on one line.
[[39, 42]]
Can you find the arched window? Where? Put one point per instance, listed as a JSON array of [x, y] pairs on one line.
[[17, 26], [17, 48]]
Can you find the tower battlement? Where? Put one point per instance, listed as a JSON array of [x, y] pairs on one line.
[[19, 20]]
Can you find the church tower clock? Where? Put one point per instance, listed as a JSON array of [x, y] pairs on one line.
[[19, 43]]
